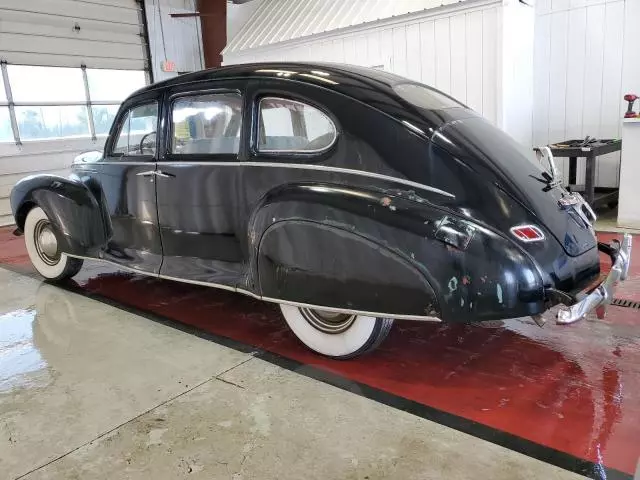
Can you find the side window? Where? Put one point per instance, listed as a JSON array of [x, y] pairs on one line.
[[289, 126], [206, 124], [138, 131]]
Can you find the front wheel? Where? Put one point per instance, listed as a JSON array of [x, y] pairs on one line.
[[43, 249], [336, 335]]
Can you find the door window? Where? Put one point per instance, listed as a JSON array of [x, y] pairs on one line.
[[138, 131], [206, 124], [289, 126]]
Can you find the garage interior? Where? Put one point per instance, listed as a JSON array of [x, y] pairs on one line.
[[118, 375]]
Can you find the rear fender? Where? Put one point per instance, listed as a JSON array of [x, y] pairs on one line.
[[77, 218], [345, 246], [337, 246], [318, 264]]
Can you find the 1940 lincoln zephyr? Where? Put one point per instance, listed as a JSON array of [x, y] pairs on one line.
[[351, 197]]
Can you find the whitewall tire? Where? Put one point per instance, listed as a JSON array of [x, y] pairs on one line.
[[43, 249], [335, 335]]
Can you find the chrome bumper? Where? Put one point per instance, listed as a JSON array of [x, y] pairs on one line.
[[603, 293]]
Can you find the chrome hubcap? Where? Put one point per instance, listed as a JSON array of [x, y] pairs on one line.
[[46, 243], [328, 322]]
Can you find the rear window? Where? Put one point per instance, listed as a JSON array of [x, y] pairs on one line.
[[290, 126], [425, 97]]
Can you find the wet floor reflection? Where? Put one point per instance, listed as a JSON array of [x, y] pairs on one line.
[[32, 338], [574, 389], [21, 364]]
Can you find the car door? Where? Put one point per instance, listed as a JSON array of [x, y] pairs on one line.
[[125, 179], [198, 182]]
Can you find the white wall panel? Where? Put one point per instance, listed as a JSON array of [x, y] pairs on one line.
[[361, 49], [611, 111], [558, 79], [399, 38], [386, 48], [594, 52], [576, 64], [579, 61], [414, 53], [458, 26], [337, 51], [631, 68], [350, 54], [474, 64], [490, 92], [456, 52], [428, 52], [276, 21], [373, 49], [443, 54], [516, 25], [542, 52]]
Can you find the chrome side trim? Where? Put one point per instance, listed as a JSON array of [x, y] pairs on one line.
[[299, 166], [303, 166], [104, 260], [422, 318], [150, 163], [201, 283]]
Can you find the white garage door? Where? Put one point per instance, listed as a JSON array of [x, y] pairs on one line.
[[68, 33], [66, 65]]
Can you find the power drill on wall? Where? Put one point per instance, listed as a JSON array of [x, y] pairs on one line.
[[631, 98]]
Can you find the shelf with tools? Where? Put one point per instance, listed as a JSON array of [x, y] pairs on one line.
[[589, 148]]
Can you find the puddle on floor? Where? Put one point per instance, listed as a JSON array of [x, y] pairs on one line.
[[20, 360]]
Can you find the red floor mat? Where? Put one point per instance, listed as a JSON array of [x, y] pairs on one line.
[[575, 389]]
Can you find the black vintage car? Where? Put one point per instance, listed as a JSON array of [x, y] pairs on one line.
[[350, 196]]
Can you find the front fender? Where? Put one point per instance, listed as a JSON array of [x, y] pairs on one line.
[[75, 214]]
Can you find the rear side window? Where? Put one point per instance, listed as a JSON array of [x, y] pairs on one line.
[[424, 97], [289, 126], [138, 131], [206, 124]]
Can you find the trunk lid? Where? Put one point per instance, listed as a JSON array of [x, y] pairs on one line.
[[501, 160]]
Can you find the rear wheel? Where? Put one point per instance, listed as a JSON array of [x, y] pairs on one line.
[[336, 335], [44, 251]]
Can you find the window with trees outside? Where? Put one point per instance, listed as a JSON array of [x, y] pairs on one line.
[[45, 103]]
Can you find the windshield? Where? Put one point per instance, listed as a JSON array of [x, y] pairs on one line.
[[425, 97]]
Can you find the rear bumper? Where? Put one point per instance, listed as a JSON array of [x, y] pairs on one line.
[[602, 295]]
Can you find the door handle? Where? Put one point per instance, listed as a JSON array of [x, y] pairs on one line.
[[156, 173]]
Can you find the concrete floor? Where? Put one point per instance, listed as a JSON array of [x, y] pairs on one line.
[[91, 391], [608, 222]]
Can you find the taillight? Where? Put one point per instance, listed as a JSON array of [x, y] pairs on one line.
[[527, 233]]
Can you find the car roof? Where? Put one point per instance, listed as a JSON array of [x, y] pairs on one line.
[[362, 83]]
